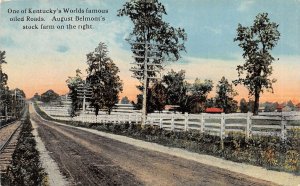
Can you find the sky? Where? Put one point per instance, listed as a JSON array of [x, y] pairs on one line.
[[38, 60]]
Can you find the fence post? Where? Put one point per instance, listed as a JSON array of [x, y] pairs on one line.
[[118, 118], [283, 128], [160, 122], [202, 122], [249, 125], [172, 122], [136, 118], [186, 122], [222, 130]]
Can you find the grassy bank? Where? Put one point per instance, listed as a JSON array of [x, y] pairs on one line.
[[26, 167], [269, 152]]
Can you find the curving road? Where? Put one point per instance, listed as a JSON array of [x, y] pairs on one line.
[[89, 159]]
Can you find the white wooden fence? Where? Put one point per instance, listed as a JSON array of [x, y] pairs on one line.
[[275, 124]]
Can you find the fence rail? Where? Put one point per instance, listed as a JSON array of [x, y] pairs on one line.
[[275, 124]]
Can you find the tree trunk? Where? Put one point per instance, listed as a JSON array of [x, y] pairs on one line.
[[256, 102], [96, 110]]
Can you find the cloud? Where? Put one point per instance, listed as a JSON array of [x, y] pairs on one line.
[[245, 5]]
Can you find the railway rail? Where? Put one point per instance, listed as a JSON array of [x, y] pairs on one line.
[[9, 139]]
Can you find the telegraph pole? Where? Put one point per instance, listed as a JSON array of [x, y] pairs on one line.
[[148, 55], [84, 92], [144, 109]]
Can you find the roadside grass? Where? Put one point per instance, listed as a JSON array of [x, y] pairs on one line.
[[265, 151], [26, 167]]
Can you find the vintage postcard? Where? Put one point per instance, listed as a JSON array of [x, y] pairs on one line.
[[149, 92]]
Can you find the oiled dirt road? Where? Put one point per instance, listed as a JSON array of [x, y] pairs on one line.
[[89, 159]]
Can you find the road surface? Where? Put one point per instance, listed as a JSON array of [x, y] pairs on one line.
[[89, 159]]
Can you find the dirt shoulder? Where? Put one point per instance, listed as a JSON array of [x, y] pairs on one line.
[[54, 177], [87, 158]]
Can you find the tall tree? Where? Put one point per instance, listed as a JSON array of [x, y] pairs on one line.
[[4, 93], [103, 78], [147, 17], [257, 41], [3, 76], [73, 84], [176, 87], [225, 96]]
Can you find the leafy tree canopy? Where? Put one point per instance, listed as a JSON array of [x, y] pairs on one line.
[[49, 96], [103, 78], [257, 41]]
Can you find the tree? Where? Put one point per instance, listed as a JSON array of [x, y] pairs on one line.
[[147, 17], [270, 107], [3, 76], [36, 97], [103, 78], [257, 41], [157, 97], [211, 102], [198, 93], [190, 97], [73, 84], [243, 106], [251, 104], [176, 87], [49, 96], [4, 90], [225, 96], [290, 104], [125, 100]]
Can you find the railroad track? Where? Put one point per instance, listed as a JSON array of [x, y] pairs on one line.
[[8, 144]]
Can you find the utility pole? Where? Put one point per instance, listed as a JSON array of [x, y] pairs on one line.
[[15, 102], [144, 109], [149, 51], [84, 92]]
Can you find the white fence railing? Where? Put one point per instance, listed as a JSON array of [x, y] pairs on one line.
[[275, 124]]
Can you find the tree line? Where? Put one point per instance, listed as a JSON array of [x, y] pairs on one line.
[[173, 89], [104, 84], [11, 101], [149, 27]]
